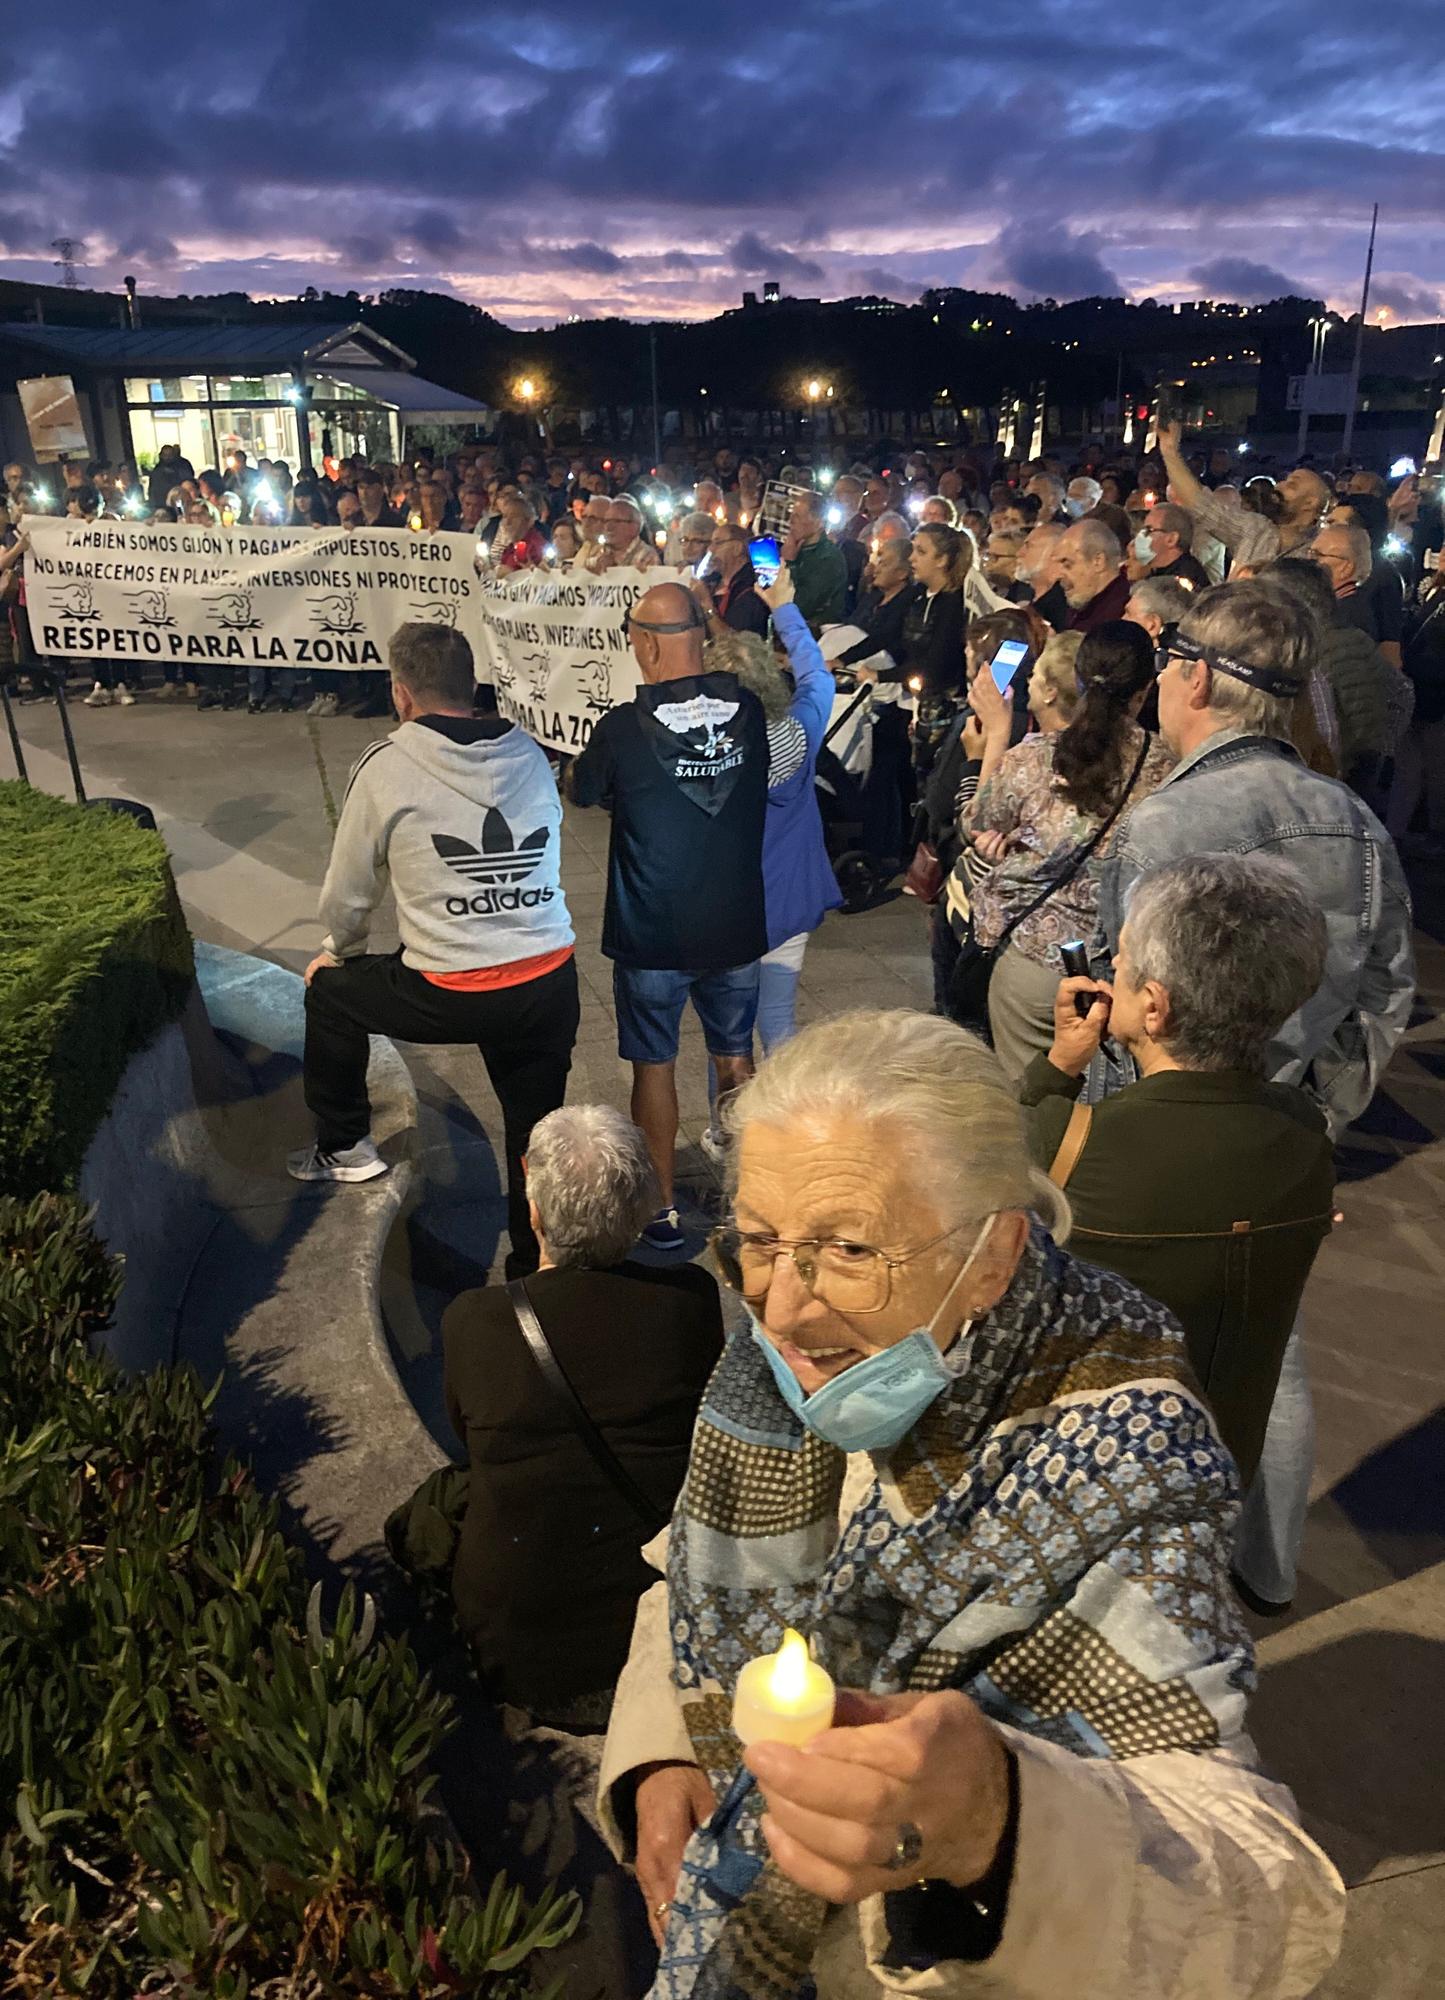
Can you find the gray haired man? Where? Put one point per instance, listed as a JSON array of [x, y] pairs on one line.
[[1228, 684]]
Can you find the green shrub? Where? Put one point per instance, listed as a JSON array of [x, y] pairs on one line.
[[94, 959], [213, 1795]]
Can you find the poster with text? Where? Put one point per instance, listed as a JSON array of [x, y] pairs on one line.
[[314, 598], [555, 648]]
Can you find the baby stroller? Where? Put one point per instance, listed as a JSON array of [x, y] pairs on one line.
[[844, 761]]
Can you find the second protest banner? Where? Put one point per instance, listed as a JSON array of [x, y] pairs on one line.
[[555, 647]]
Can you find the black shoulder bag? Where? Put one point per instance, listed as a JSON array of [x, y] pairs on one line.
[[968, 987], [570, 1404]]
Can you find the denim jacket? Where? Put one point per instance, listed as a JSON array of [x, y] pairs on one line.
[[1242, 794]]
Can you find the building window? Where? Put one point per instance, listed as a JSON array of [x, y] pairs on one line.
[[167, 389], [189, 430]]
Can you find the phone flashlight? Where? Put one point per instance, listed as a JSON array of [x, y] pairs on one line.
[[1402, 468], [549, 553], [835, 517], [915, 506]]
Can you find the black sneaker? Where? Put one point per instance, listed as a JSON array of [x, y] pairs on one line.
[[208, 698], [254, 707], [1262, 1607]]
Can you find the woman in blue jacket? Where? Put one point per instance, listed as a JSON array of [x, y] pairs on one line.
[[798, 881]]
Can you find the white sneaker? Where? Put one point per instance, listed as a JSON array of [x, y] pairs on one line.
[[360, 1162], [123, 695], [713, 1145], [168, 691], [99, 697]]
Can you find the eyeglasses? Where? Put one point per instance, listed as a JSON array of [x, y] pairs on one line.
[[850, 1277], [1170, 650]]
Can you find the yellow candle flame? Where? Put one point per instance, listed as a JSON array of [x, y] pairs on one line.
[[789, 1679]]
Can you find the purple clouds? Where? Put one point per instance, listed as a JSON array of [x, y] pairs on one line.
[[618, 159]]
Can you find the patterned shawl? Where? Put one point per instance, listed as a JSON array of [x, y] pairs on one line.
[[1052, 1537]]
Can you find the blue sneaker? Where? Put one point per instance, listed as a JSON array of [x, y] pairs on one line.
[[664, 1232]]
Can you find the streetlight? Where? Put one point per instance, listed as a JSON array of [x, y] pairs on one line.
[[815, 390], [526, 389]]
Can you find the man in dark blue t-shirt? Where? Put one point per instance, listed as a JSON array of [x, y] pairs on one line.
[[683, 769]]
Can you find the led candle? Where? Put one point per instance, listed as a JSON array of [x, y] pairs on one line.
[[783, 1697]]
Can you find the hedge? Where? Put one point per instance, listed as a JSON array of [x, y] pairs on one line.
[[214, 1795], [94, 959]]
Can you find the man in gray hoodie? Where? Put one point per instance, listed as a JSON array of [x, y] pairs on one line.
[[461, 813]]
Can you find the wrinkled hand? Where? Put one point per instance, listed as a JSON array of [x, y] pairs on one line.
[[1171, 434], [703, 593], [673, 1800], [321, 960], [779, 592], [990, 847], [972, 739], [1077, 1036], [994, 710], [789, 546], [835, 1809]]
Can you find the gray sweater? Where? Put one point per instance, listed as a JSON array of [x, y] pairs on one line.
[[467, 824]]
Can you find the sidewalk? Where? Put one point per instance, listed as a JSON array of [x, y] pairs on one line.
[[1348, 1708]]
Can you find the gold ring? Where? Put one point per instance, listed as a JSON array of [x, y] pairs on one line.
[[662, 1909]]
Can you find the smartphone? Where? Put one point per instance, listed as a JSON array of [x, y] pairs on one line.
[[766, 558], [1074, 957], [1006, 663]]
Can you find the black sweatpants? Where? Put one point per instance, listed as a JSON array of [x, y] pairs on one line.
[[525, 1035]]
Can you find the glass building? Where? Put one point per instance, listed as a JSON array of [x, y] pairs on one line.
[[301, 392]]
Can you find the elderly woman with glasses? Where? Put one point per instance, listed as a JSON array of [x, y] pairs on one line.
[[977, 1476]]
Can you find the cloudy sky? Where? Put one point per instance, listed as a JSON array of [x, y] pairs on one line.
[[619, 158]]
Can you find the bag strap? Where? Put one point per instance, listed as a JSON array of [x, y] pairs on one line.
[[1080, 856], [1076, 1135], [570, 1403]]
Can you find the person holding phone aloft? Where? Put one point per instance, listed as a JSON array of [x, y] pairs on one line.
[[1036, 806]]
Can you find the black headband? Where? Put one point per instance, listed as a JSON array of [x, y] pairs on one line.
[[1266, 679]]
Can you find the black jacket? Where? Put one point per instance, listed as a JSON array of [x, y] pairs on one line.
[[933, 629], [683, 769], [549, 1570], [884, 625]]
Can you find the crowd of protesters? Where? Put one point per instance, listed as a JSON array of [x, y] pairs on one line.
[[1141, 735]]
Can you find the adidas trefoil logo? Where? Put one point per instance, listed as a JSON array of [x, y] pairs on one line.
[[498, 860]]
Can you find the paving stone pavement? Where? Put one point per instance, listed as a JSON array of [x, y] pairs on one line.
[[1351, 1680]]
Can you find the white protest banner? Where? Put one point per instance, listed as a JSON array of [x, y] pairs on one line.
[[555, 650], [241, 597]]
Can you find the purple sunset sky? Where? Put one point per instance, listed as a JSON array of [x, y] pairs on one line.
[[650, 162]]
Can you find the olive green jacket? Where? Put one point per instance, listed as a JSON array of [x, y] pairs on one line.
[[1212, 1192]]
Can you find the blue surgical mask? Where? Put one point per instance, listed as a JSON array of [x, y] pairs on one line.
[[1144, 546], [1074, 507], [875, 1402]]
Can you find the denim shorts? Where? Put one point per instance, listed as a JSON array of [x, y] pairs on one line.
[[650, 1004]]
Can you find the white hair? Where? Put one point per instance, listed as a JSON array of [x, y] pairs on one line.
[[593, 1183], [1084, 488], [949, 1117], [698, 524], [898, 529]]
